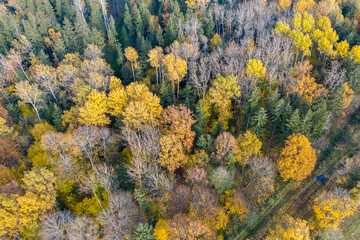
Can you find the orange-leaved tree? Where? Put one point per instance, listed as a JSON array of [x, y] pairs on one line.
[[297, 159]]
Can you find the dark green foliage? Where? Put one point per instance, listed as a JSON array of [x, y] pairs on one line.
[[188, 96], [205, 142], [259, 121], [57, 118], [141, 198], [354, 79], [336, 101], [13, 111], [166, 94], [124, 180], [251, 106], [293, 123], [200, 117], [143, 231], [318, 119]]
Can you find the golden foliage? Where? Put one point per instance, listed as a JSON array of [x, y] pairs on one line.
[[289, 228], [297, 159], [255, 68], [248, 146], [172, 154], [332, 207], [348, 96], [215, 41], [222, 92], [155, 57], [161, 231], [4, 129], [305, 85], [117, 99], [235, 204], [305, 5], [176, 67], [143, 107], [283, 4], [343, 48], [355, 53], [131, 54], [94, 109], [178, 121], [195, 4], [20, 213]]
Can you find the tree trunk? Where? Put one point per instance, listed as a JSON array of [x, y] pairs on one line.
[[37, 113], [132, 68], [173, 89]]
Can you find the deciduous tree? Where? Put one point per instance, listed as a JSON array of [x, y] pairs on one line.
[[94, 110], [30, 93], [178, 120], [248, 145], [332, 207], [222, 92], [131, 55], [289, 228], [297, 159], [176, 69]]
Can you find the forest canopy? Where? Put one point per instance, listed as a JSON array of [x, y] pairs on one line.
[[179, 119]]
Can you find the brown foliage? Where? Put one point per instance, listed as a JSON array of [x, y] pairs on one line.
[[9, 152]]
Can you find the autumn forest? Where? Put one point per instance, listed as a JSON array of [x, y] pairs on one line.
[[180, 119]]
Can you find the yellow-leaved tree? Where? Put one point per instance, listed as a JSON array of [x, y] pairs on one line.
[[255, 68], [235, 204], [19, 214], [156, 57], [355, 53], [215, 41], [289, 228], [172, 154], [283, 4], [248, 146], [178, 120], [143, 107], [131, 55], [332, 207], [176, 68], [161, 231], [94, 109], [117, 97], [222, 92], [297, 159]]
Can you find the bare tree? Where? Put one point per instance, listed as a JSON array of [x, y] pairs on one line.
[[16, 57], [263, 178], [30, 93], [45, 76], [55, 224], [139, 166], [82, 228], [157, 181], [89, 140], [147, 140], [200, 76], [118, 221], [80, 7], [335, 76]]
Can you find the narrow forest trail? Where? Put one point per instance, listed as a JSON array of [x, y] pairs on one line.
[[290, 200]]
